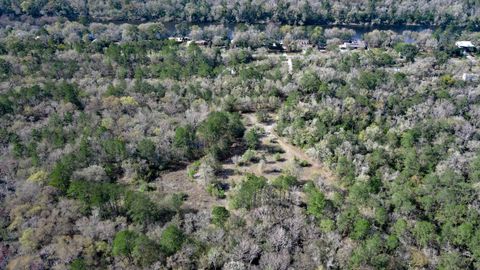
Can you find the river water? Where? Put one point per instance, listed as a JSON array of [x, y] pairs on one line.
[[359, 30]]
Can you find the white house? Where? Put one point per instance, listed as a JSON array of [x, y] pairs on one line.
[[356, 44], [470, 77], [464, 44]]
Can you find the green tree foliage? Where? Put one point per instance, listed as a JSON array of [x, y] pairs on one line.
[[464, 233], [409, 51], [346, 170], [424, 232], [370, 252], [62, 172], [6, 105], [310, 82], [216, 189], [136, 247], [146, 150], [474, 173], [359, 193], [316, 203], [317, 36], [370, 80], [452, 261], [150, 162], [392, 242], [240, 57], [400, 227], [140, 208], [105, 196], [116, 91], [410, 162], [381, 216], [252, 138], [5, 68], [68, 93], [284, 182], [113, 152], [347, 219], [249, 190], [360, 229], [474, 245], [171, 240], [78, 264], [145, 251], [220, 215], [184, 140], [197, 62], [124, 243], [219, 131], [380, 58]]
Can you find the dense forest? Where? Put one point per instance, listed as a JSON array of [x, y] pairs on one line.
[[379, 12], [123, 147]]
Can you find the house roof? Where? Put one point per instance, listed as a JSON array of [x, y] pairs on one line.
[[464, 44]]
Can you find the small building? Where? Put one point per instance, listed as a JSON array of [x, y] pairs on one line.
[[464, 45], [353, 45], [322, 48], [176, 39], [179, 39], [202, 42], [303, 43], [276, 47], [296, 45], [470, 77], [199, 42]]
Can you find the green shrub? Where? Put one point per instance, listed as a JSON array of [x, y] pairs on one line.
[[137, 246], [409, 51], [316, 203], [192, 169], [171, 240], [302, 162], [252, 139], [247, 194], [62, 172], [392, 242], [184, 140], [220, 215], [346, 170], [424, 232], [145, 251], [219, 131], [284, 182], [327, 225], [216, 190], [78, 264], [249, 156], [146, 150], [360, 229], [123, 243], [140, 208]]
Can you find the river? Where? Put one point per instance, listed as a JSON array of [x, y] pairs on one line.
[[360, 30]]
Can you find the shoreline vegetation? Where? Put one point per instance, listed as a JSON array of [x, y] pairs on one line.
[[41, 20]]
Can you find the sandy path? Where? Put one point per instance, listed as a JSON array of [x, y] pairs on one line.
[[198, 198], [313, 172]]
